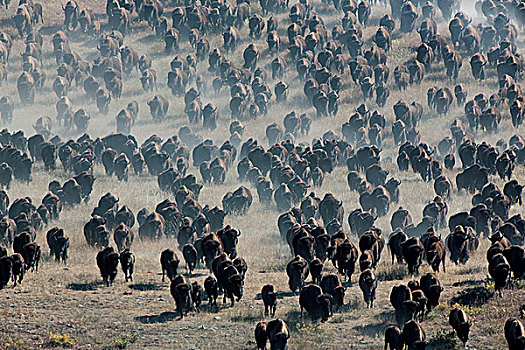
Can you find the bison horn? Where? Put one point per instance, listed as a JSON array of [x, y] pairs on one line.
[[239, 233]]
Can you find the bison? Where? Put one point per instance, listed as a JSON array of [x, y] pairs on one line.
[[107, 262]]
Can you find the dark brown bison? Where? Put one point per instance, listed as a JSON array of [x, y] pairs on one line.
[[180, 290], [460, 322], [127, 263], [212, 290], [190, 256], [315, 302], [413, 253], [31, 253], [401, 300], [123, 237], [107, 262], [58, 244], [514, 334], [7, 231], [394, 338], [368, 286], [414, 335], [331, 285], [461, 243], [169, 263], [81, 120], [330, 208], [149, 79], [395, 242], [6, 109], [124, 121], [269, 297], [297, 271], [261, 336], [278, 334], [26, 88], [158, 107], [6, 270], [229, 277], [238, 201]]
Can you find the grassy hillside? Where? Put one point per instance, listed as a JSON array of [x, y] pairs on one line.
[[71, 300]]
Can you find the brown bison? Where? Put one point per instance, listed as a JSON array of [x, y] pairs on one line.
[[460, 322], [127, 262], [169, 263], [107, 262], [315, 302], [58, 244]]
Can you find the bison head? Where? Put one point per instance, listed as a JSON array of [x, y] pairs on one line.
[[324, 306], [237, 284]]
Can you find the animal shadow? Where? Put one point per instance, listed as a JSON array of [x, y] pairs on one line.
[[84, 287], [145, 286], [373, 329], [162, 318]]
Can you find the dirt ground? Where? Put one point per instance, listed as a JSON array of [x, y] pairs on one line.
[[68, 306]]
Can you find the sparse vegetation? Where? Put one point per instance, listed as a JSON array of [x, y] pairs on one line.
[[15, 344], [84, 314], [123, 341], [443, 340], [392, 273], [59, 340]]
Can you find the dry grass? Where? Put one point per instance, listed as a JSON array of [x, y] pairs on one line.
[[71, 300]]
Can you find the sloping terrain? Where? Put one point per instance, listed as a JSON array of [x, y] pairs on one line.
[[141, 314]]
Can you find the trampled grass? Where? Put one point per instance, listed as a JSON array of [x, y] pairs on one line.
[[70, 301]]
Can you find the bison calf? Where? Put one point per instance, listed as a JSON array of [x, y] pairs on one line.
[[18, 268], [190, 256], [127, 262], [212, 290], [269, 298], [197, 292], [316, 270], [261, 336]]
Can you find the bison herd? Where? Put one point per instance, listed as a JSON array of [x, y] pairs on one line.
[[285, 46]]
